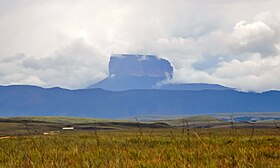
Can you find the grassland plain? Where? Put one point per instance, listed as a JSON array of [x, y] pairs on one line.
[[167, 147]]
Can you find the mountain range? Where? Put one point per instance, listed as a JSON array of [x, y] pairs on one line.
[[137, 85], [36, 101]]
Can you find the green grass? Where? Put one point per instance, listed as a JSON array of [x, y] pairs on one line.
[[204, 142], [63, 120], [145, 148]]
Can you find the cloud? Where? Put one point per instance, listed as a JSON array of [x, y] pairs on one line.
[[255, 74], [67, 43], [256, 37], [73, 66], [249, 53]]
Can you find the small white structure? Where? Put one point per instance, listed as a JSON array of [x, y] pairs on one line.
[[51, 133], [68, 128]]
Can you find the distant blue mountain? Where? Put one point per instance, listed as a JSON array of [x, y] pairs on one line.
[[128, 71], [131, 71], [127, 82], [36, 101], [139, 65], [193, 86]]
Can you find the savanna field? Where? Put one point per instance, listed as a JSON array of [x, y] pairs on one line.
[[145, 147]]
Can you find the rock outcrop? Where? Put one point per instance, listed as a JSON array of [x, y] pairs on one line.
[[139, 65], [128, 71]]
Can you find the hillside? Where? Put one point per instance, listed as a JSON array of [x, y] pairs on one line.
[[98, 103]]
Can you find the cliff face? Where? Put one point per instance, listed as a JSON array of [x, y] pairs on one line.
[[128, 72], [139, 65]]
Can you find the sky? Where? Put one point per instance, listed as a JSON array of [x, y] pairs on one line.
[[67, 43]]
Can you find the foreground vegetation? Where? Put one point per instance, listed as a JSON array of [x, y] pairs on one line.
[[166, 147]]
